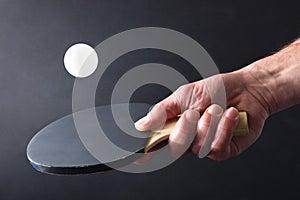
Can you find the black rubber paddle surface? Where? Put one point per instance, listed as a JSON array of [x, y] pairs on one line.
[[59, 149]]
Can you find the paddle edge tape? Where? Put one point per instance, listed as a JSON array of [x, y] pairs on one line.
[[67, 171], [86, 169], [163, 134]]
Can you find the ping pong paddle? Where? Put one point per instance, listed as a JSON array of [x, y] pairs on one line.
[[59, 149]]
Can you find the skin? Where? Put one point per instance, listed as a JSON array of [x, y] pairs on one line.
[[262, 88]]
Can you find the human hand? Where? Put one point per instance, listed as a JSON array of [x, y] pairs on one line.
[[243, 93]]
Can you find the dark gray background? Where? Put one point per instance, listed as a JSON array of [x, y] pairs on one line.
[[36, 90]]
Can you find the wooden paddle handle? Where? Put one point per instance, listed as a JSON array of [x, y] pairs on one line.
[[163, 134]]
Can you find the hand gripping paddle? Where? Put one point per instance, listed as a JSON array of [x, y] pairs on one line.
[[59, 149]]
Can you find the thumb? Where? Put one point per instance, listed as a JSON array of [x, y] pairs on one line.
[[159, 114]]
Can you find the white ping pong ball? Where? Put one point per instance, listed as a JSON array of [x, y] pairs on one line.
[[81, 60]]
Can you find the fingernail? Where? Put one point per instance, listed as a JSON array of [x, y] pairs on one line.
[[192, 116], [215, 110], [143, 123], [232, 113]]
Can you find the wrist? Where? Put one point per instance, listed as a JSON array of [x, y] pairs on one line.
[[272, 80]]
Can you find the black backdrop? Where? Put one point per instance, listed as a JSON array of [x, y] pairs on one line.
[[36, 90]]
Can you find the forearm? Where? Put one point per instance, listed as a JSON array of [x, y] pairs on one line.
[[276, 79]]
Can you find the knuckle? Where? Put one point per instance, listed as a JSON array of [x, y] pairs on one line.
[[181, 91], [205, 122], [226, 128], [229, 124], [219, 153], [217, 149]]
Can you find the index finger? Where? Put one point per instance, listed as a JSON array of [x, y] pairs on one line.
[[159, 114]]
